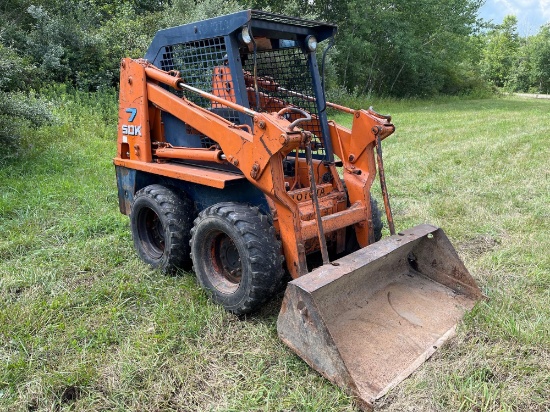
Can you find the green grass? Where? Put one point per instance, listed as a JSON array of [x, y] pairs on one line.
[[84, 325]]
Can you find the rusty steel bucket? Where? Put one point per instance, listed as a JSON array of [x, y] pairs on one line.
[[368, 320]]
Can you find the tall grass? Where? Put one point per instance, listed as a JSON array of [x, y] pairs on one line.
[[84, 325]]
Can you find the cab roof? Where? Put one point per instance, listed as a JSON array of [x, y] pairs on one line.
[[262, 24]]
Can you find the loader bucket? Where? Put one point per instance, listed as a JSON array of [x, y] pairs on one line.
[[368, 320]]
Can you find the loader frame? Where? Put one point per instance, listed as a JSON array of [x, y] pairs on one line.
[[253, 143]]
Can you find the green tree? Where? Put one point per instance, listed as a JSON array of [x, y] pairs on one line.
[[397, 48], [520, 64], [186, 11], [501, 52], [539, 48], [19, 108], [81, 42], [405, 48]]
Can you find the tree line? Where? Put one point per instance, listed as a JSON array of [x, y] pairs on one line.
[[394, 48], [520, 64]]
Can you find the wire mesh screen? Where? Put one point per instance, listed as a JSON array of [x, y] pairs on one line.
[[284, 80], [203, 64]]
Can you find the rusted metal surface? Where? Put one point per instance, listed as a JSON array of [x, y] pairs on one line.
[[271, 85], [368, 323], [304, 195], [313, 194], [382, 176], [334, 221]]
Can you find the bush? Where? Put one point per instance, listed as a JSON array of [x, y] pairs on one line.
[[20, 111], [20, 108]]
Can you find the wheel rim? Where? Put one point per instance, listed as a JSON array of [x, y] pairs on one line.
[[151, 233], [226, 269]]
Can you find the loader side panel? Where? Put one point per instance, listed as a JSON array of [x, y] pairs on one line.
[[129, 181], [177, 133], [180, 134]]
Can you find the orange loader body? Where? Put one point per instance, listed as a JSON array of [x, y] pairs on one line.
[[258, 155]]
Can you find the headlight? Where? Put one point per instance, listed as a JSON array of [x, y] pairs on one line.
[[311, 42], [246, 35]]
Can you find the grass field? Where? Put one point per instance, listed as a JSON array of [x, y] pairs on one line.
[[84, 325]]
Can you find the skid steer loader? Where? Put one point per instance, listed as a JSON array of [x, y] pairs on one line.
[[226, 161]]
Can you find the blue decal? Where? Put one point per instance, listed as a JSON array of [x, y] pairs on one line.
[[132, 112]]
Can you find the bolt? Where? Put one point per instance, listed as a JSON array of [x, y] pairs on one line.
[[130, 80], [232, 160], [357, 114], [351, 158], [255, 170], [261, 124]]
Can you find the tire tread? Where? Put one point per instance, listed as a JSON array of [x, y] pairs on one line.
[[264, 251], [177, 211]]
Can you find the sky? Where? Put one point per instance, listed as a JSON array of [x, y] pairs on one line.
[[531, 14]]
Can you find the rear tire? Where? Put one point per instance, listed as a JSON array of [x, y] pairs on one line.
[[161, 224], [236, 256]]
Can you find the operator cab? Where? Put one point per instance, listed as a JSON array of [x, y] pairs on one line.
[[259, 60]]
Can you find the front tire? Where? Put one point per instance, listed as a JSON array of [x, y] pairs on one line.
[[161, 223], [236, 256], [377, 224], [351, 239]]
